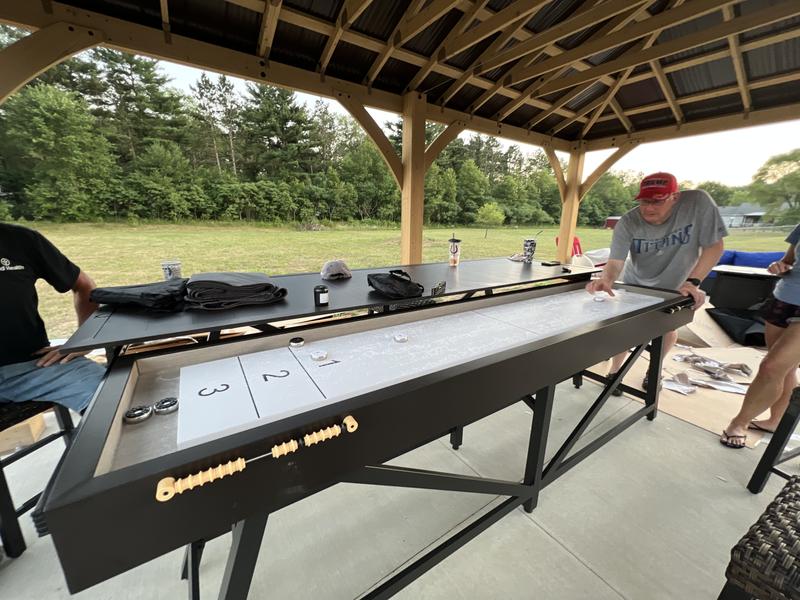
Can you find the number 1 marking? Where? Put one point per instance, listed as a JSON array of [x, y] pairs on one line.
[[332, 362]]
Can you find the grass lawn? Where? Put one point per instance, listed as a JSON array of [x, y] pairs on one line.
[[117, 254]]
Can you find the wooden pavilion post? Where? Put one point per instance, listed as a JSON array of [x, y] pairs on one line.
[[412, 208]]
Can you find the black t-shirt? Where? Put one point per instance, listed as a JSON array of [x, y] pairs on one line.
[[25, 256]]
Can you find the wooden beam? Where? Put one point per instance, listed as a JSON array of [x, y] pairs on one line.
[[786, 112], [414, 24], [618, 110], [463, 23], [349, 12], [375, 133], [617, 22], [576, 23], [269, 21], [555, 164], [390, 46], [140, 39], [708, 94], [495, 23], [30, 56], [785, 10], [412, 206], [738, 63], [581, 112], [668, 18], [563, 100], [499, 42], [442, 140], [164, 19], [666, 89], [570, 205], [603, 167]]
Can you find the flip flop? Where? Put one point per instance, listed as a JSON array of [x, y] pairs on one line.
[[726, 440], [755, 426]]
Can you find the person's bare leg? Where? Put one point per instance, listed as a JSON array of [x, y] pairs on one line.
[[670, 338], [772, 333], [767, 387]]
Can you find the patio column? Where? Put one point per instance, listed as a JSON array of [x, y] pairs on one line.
[[573, 191], [30, 56], [412, 206]]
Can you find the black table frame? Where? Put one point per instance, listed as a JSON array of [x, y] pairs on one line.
[[248, 534], [774, 455]]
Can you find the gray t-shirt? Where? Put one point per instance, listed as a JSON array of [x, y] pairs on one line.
[[664, 255], [788, 288]]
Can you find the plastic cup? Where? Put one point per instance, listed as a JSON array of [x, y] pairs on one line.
[[455, 252], [171, 269], [529, 249]]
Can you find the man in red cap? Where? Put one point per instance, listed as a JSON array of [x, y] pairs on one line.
[[671, 240]]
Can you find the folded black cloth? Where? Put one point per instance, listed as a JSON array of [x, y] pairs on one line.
[[161, 296], [395, 284], [220, 291]]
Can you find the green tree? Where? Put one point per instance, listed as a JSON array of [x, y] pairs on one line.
[[53, 157], [776, 186], [137, 105], [720, 192], [490, 215], [441, 205], [472, 190], [377, 194]]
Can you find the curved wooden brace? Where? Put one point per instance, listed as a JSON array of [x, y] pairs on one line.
[[32, 55], [360, 114], [603, 167], [440, 143], [557, 170]]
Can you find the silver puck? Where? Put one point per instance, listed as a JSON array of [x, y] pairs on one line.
[[138, 414], [296, 342], [599, 298], [400, 338], [319, 355], [166, 405]]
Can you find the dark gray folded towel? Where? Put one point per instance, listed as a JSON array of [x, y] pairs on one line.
[[220, 291], [161, 296]]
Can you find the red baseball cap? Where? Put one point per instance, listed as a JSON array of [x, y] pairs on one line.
[[657, 186]]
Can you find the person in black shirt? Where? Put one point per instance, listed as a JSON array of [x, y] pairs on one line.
[[31, 369]]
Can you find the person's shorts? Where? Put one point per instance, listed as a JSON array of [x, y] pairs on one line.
[[780, 313]]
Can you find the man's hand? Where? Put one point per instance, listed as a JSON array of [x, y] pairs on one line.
[[599, 285], [698, 295], [50, 356], [779, 267]]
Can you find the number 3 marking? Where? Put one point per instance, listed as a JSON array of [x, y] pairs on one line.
[[223, 388], [284, 373]]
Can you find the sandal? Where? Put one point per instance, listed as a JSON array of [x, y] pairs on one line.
[[727, 440], [617, 391], [756, 427]]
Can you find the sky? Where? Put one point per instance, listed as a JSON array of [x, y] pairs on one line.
[[730, 157]]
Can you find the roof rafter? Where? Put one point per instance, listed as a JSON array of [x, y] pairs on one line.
[[738, 63], [164, 19], [666, 89], [669, 18], [778, 12], [463, 23], [609, 97], [269, 21], [413, 24], [497, 22], [387, 50], [349, 12], [574, 24]]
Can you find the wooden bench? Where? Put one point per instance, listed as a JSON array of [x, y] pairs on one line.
[[11, 414]]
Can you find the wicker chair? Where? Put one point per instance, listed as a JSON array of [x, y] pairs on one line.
[[12, 413], [765, 564]]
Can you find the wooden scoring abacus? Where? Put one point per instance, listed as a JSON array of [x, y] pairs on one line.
[[169, 486]]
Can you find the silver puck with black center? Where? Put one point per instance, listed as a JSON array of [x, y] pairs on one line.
[[296, 342], [166, 405], [137, 414]]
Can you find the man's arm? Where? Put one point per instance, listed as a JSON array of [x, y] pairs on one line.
[[607, 278], [709, 256], [81, 292], [84, 307]]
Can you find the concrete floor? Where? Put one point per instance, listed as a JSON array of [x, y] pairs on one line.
[[651, 515]]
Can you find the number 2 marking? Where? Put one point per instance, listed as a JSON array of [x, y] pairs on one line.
[[223, 388], [284, 373]]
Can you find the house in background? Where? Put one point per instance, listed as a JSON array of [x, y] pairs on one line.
[[744, 215], [611, 222]]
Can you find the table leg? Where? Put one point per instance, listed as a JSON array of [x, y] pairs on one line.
[[542, 405], [247, 536]]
